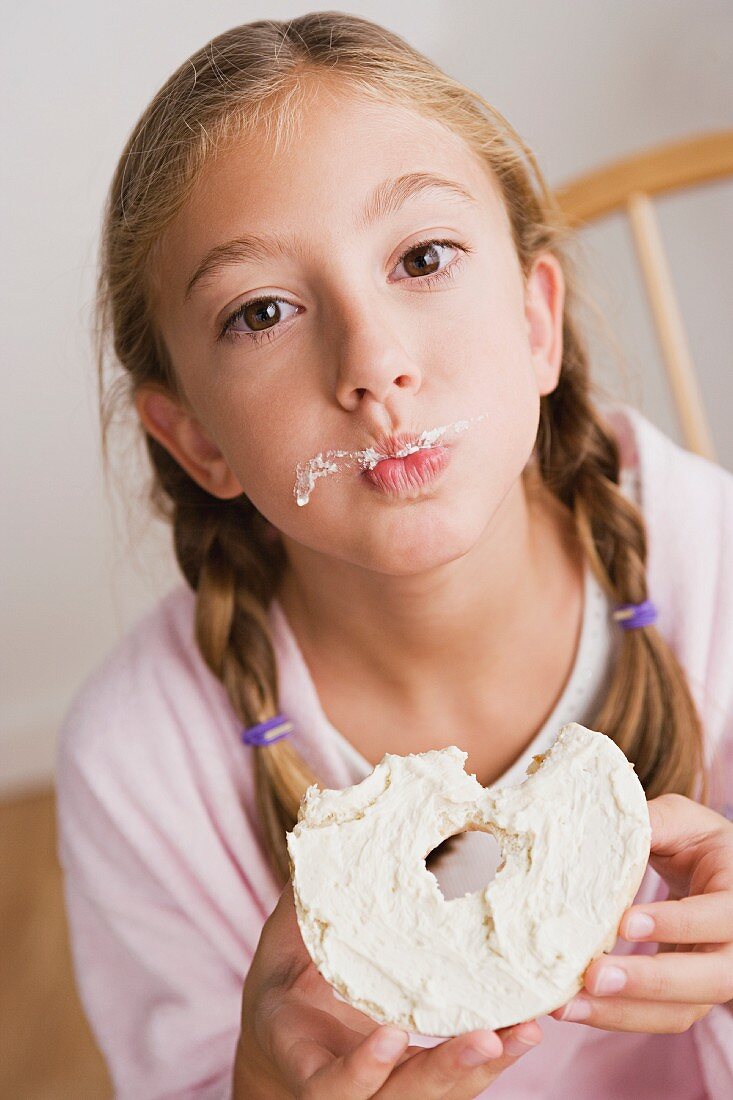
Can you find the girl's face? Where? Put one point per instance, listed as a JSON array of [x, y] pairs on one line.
[[347, 340]]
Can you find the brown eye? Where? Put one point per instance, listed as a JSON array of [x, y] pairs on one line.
[[260, 315], [426, 260]]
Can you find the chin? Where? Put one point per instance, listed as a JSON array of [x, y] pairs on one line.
[[415, 546]]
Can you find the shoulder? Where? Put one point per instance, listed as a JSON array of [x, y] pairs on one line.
[[155, 655], [676, 485], [151, 708], [149, 760]]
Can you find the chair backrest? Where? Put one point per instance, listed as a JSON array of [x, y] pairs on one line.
[[630, 184]]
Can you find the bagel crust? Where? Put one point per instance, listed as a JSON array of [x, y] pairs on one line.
[[574, 836]]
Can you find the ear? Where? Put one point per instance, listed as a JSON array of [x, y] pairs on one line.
[[184, 438], [544, 302]]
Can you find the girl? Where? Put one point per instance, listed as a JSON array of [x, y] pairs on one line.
[[342, 297]]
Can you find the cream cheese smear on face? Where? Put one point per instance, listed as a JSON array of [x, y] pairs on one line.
[[307, 474]]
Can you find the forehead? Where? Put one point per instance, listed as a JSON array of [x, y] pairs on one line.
[[316, 181]]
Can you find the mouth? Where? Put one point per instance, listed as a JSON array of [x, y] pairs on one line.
[[408, 475]]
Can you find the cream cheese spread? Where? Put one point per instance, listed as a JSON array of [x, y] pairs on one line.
[[575, 838]]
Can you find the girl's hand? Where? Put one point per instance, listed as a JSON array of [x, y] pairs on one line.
[[692, 849], [297, 1040]]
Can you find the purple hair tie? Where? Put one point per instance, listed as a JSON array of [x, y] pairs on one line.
[[265, 733], [633, 615]]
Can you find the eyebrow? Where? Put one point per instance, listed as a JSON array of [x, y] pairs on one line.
[[386, 198]]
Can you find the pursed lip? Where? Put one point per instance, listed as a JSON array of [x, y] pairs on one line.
[[389, 445], [409, 475]]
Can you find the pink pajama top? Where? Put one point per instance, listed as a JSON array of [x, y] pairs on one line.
[[166, 878]]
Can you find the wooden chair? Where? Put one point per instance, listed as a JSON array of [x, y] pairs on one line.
[[630, 184]]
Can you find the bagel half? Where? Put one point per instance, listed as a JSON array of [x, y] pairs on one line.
[[575, 839]]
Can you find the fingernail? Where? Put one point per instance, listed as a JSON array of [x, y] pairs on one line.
[[389, 1044], [638, 925], [609, 980], [516, 1045], [577, 1009]]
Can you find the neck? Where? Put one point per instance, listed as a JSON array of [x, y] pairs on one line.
[[466, 622]]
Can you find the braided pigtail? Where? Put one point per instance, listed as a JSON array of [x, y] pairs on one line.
[[233, 560], [648, 709]]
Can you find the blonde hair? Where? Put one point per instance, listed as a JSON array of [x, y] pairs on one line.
[[250, 80]]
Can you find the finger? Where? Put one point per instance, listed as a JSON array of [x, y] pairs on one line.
[[681, 828], [291, 1021], [412, 1051], [517, 1040], [356, 1075], [311, 988], [625, 1014], [705, 918], [526, 1034], [443, 1071], [690, 977], [679, 822]]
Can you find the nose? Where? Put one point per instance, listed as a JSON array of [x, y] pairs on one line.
[[372, 363]]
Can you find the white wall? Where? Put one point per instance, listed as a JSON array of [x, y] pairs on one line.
[[582, 82]]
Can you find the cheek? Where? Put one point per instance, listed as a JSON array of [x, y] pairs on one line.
[[491, 371], [488, 333], [494, 375], [264, 453]]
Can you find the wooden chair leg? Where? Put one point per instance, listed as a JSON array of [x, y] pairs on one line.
[[669, 327]]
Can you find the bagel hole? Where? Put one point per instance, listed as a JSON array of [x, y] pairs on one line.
[[482, 855]]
